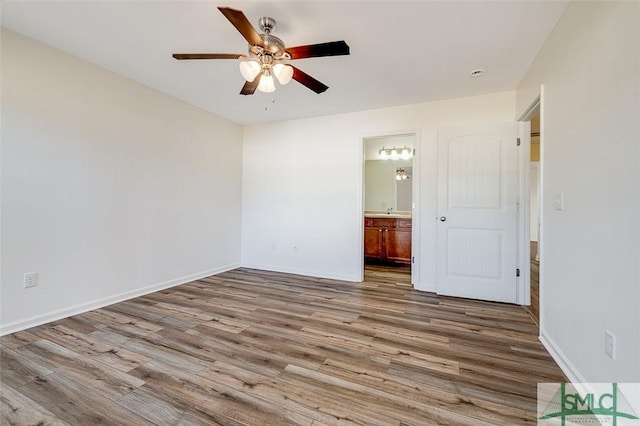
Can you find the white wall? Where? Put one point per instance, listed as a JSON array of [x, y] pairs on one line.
[[302, 184], [590, 268], [109, 189]]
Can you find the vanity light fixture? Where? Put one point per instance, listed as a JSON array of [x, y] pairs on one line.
[[401, 174], [394, 153]]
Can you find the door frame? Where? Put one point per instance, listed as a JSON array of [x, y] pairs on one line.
[[524, 247], [415, 199]]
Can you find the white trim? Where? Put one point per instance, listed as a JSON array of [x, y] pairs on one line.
[[360, 207], [524, 286], [106, 301], [567, 367], [533, 108], [415, 211], [523, 247], [541, 192], [304, 272]]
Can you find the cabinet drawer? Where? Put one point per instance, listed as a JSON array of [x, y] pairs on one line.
[[384, 222], [404, 223]]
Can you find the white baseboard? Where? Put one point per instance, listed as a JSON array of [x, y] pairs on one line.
[[579, 382], [561, 359], [106, 301], [304, 272]]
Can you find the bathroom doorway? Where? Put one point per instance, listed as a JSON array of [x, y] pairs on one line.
[[388, 206], [534, 218]]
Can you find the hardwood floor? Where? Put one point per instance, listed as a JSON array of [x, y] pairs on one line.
[[534, 308], [249, 347]]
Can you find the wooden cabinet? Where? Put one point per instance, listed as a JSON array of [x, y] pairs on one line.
[[387, 240]]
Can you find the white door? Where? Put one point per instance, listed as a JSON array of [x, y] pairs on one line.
[[477, 212]]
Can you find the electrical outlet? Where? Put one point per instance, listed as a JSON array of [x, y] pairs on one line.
[[30, 279], [610, 344]]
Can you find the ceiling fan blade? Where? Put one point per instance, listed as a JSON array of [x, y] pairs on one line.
[[332, 48], [206, 55], [306, 80], [242, 24], [250, 87]]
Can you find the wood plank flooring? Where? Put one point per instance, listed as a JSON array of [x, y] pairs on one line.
[[534, 308], [250, 347]]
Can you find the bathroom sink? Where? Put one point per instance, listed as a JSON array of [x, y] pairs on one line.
[[397, 215]]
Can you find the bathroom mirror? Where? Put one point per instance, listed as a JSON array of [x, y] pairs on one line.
[[382, 190], [387, 183]]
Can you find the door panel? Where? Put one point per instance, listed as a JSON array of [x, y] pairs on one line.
[[373, 242], [474, 172], [398, 245], [477, 213], [474, 253]]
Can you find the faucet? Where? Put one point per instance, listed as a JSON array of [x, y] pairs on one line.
[[389, 210]]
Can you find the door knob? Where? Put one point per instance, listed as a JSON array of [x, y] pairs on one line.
[[443, 218]]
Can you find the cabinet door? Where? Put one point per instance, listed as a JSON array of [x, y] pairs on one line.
[[373, 242], [397, 245]]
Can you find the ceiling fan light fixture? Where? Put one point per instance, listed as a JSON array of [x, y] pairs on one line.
[[249, 70], [283, 73], [266, 84], [267, 54], [401, 174]]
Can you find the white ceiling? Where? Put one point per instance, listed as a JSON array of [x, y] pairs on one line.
[[402, 52]]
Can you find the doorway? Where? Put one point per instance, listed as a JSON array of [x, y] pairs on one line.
[[531, 131], [388, 205], [534, 218]]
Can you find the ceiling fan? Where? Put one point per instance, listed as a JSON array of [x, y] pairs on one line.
[[268, 56]]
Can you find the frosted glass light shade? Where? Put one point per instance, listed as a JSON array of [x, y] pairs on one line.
[[249, 70], [283, 73], [266, 84], [394, 154]]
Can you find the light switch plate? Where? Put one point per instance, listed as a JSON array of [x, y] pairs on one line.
[[610, 344], [558, 201]]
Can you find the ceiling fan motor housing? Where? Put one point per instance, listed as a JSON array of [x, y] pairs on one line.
[[272, 43], [267, 24]]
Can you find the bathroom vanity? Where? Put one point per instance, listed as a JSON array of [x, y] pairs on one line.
[[387, 238]]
